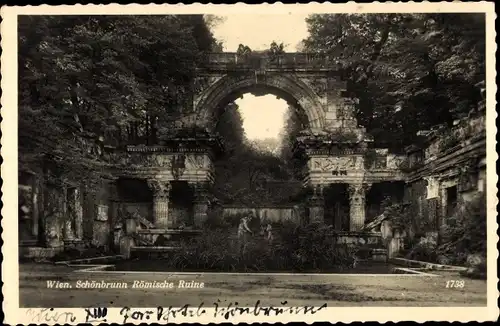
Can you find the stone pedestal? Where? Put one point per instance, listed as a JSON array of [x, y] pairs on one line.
[[201, 204], [317, 206], [357, 200], [161, 193]]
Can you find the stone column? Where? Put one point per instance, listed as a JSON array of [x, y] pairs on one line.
[[317, 205], [161, 193], [53, 214], [74, 213], [68, 216], [200, 204], [357, 199], [77, 197]]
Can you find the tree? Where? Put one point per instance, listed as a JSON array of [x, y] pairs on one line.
[[249, 173], [295, 121], [409, 71], [89, 80]]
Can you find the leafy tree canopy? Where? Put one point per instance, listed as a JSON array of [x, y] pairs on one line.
[[85, 80], [409, 71]]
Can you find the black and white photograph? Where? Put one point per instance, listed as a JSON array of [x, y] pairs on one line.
[[268, 162]]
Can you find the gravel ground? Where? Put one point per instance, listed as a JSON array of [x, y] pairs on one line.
[[246, 289]]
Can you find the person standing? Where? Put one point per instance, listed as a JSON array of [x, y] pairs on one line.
[[244, 232], [269, 233]]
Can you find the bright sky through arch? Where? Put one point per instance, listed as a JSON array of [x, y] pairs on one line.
[[262, 115]]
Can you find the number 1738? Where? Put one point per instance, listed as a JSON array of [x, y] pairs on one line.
[[456, 284]]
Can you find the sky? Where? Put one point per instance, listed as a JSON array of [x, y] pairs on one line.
[[263, 116]]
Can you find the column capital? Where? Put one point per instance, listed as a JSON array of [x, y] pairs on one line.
[[159, 188], [358, 189]]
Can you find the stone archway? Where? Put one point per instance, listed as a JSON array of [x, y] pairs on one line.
[[229, 87]]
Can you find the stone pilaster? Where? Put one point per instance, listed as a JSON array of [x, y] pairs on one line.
[[357, 199], [161, 193], [74, 214], [317, 205], [77, 197], [68, 216], [53, 215], [36, 208], [201, 204]]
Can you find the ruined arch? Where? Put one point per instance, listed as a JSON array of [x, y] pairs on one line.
[[229, 87]]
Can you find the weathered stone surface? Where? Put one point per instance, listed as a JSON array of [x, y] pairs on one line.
[[357, 200], [161, 192], [330, 164]]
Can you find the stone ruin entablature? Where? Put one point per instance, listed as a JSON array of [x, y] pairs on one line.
[[347, 161], [347, 169], [295, 61], [180, 159], [194, 167]]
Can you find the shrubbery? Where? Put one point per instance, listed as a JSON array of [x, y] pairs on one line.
[[295, 248], [464, 233], [424, 249]]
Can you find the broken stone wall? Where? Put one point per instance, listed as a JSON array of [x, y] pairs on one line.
[[454, 173]]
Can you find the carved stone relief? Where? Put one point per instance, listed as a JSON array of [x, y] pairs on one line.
[[395, 161], [161, 160], [333, 163], [195, 162], [150, 160]]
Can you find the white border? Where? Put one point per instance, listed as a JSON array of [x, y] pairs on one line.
[[10, 268]]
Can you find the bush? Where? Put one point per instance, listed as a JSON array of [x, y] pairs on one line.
[[424, 250], [296, 248], [464, 233]]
